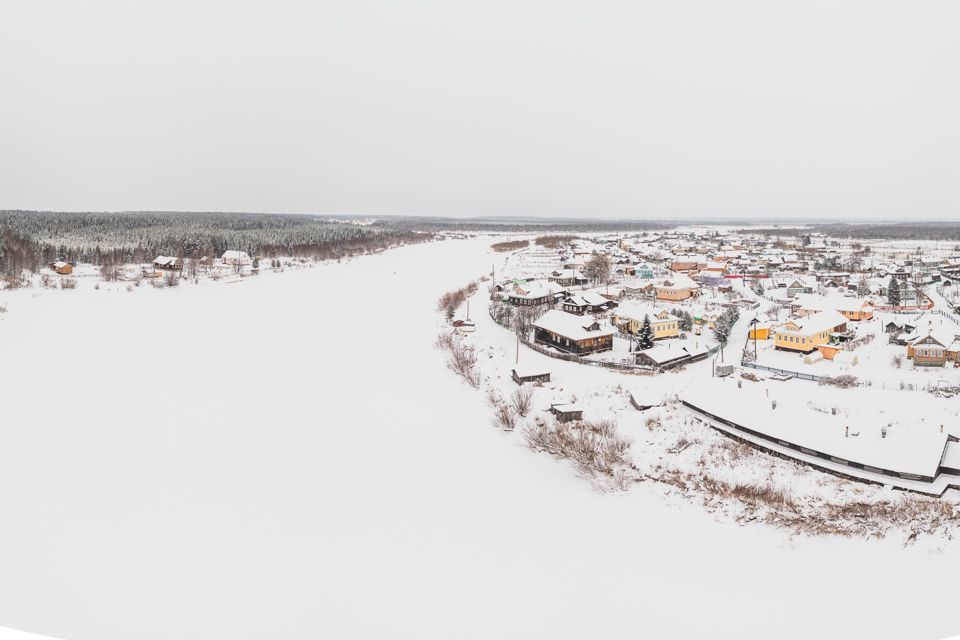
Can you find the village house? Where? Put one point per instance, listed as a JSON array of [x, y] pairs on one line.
[[168, 263], [629, 316], [572, 333], [535, 293], [684, 263], [806, 334], [676, 287], [855, 309], [799, 286], [567, 277], [61, 267], [236, 258], [589, 302], [933, 345], [713, 274]]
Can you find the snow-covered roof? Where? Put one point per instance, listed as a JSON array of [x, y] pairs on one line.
[[665, 353], [814, 323], [570, 325], [637, 310], [530, 370], [912, 450]]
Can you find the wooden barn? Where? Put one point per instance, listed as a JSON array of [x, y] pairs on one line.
[[61, 267], [566, 412], [528, 373]]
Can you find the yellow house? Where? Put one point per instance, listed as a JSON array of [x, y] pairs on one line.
[[629, 319], [806, 334]]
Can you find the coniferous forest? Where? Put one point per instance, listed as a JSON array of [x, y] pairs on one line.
[[30, 239]]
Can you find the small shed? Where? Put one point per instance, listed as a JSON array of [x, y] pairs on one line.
[[828, 351], [528, 373], [566, 412], [61, 267]]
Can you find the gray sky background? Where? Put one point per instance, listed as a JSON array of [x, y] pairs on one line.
[[602, 109]]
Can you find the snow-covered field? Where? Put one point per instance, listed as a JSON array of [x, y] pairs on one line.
[[287, 456]]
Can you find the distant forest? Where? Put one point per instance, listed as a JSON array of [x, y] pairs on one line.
[[30, 239], [529, 225], [873, 231]]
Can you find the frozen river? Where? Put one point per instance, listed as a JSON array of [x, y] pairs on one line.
[[288, 457]]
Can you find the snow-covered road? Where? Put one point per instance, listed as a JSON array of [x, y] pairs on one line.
[[288, 457]]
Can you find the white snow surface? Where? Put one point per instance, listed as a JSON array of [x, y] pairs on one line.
[[288, 457]]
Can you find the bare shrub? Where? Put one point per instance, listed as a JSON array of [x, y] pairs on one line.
[[622, 479], [14, 281], [451, 300], [129, 287], [3, 308], [171, 279], [897, 361], [509, 245], [845, 381], [505, 417], [652, 422], [595, 447], [553, 241], [522, 400], [461, 358], [766, 495], [68, 283]]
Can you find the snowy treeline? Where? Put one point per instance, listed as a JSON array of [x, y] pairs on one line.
[[29, 239], [885, 231]]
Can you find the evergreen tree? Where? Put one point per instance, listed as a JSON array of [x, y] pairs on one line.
[[645, 336], [893, 291]]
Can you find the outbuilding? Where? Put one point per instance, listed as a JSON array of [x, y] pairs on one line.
[[530, 373]]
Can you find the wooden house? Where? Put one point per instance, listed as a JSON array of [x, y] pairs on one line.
[[567, 277], [236, 258], [933, 345], [572, 333], [629, 317], [61, 267], [677, 287], [589, 302], [806, 334], [168, 263], [535, 293], [663, 357]]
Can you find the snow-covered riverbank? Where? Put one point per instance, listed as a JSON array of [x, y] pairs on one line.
[[289, 457]]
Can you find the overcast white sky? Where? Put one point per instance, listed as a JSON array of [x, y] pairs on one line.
[[603, 109]]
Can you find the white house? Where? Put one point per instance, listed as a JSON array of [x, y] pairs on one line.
[[236, 258]]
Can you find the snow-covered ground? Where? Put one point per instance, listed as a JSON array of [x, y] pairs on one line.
[[287, 456]]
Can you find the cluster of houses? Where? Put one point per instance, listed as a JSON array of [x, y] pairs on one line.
[[230, 258], [827, 287]]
